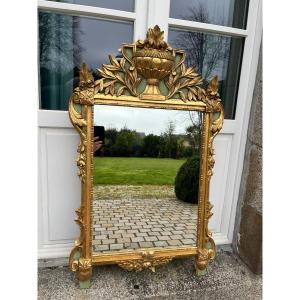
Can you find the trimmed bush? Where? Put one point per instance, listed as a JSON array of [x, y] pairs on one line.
[[186, 181]]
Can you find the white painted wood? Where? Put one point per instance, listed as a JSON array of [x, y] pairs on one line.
[[58, 182], [204, 27], [59, 188], [218, 182], [158, 14], [140, 25], [58, 250], [54, 118], [247, 82]]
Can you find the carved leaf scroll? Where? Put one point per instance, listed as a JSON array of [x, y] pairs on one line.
[[153, 58], [187, 79], [117, 77]]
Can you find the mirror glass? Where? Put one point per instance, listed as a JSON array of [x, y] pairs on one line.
[[145, 178]]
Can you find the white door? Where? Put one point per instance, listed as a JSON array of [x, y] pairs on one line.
[[220, 37]]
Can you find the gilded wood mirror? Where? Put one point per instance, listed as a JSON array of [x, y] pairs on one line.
[[146, 125]]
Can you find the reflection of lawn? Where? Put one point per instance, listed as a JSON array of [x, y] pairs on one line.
[[135, 170]]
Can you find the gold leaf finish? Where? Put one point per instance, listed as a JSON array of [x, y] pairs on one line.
[[84, 93], [211, 127], [154, 61], [150, 74], [118, 73], [83, 267], [186, 79], [148, 261]]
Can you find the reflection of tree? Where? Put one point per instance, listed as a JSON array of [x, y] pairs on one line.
[[60, 53], [59, 40], [206, 52]]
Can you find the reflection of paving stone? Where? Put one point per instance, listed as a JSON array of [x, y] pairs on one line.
[[132, 222]]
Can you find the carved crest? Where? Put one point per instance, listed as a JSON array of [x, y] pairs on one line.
[[152, 70]]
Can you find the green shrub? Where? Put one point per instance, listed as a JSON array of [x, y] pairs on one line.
[[187, 180]]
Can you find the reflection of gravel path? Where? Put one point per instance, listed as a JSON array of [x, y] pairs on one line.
[[133, 191], [132, 217]]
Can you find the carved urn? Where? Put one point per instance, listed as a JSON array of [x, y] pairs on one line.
[[154, 60]]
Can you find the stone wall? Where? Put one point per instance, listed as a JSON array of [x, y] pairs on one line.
[[247, 241]]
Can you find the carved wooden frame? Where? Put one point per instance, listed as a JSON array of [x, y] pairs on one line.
[[150, 74]]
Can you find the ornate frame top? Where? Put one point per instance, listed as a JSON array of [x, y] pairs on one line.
[[152, 71]]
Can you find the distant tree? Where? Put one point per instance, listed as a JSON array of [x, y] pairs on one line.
[[151, 145], [180, 148], [111, 135], [168, 145], [193, 135], [128, 143]]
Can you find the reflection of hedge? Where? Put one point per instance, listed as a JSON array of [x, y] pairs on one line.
[[186, 181]]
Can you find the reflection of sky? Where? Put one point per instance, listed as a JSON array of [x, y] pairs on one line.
[[126, 5], [219, 12], [100, 38], [141, 119]]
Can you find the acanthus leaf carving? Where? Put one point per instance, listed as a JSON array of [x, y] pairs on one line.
[[147, 261], [83, 268], [187, 79], [118, 73], [84, 93], [204, 255]]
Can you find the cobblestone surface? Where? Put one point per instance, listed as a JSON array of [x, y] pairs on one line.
[[131, 223]]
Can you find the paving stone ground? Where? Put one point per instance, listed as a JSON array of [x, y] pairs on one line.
[[131, 217]]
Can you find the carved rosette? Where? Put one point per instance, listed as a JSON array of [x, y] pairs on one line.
[[147, 261]]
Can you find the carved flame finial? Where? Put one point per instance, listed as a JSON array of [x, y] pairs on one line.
[[213, 86], [155, 39], [84, 93], [85, 76]]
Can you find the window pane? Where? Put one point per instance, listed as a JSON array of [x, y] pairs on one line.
[[127, 5], [211, 55], [232, 13], [65, 42]]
